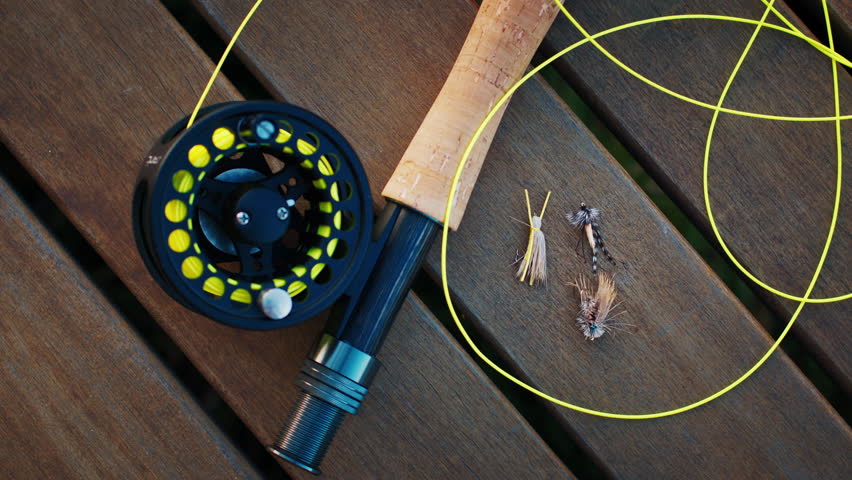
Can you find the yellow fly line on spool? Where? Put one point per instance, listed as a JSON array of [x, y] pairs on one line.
[[791, 30]]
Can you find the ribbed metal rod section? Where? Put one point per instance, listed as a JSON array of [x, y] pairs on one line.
[[308, 432], [313, 422]]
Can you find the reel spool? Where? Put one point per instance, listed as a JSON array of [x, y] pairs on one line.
[[258, 216]]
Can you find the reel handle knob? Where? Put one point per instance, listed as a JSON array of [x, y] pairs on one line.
[[275, 303]]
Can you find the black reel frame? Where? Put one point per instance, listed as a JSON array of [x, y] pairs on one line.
[[256, 196]]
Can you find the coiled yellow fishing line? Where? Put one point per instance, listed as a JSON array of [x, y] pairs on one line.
[[717, 109], [791, 30]]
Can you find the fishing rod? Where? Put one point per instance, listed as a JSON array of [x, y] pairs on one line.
[[259, 215]]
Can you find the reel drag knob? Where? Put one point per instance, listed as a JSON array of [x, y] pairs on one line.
[[258, 216]]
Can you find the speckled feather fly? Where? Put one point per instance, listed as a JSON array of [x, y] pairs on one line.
[[589, 220], [595, 316]]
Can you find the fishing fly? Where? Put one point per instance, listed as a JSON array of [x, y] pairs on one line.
[[589, 220], [595, 316], [533, 267]]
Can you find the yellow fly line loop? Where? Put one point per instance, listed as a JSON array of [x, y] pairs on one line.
[[790, 29], [718, 108]]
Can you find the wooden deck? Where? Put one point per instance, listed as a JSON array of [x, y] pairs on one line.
[[87, 86]]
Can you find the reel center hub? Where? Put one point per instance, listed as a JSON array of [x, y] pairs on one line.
[[260, 215]]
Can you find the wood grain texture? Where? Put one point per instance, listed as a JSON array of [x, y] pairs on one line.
[[771, 183], [840, 13], [843, 9], [502, 40], [81, 394], [691, 336], [85, 93], [462, 430], [687, 335]]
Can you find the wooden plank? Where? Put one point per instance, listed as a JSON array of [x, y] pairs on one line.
[[692, 335], [463, 430], [842, 9], [840, 14], [89, 91], [81, 394], [772, 183]]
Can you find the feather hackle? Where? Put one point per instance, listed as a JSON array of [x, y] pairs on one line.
[[596, 306], [533, 267]]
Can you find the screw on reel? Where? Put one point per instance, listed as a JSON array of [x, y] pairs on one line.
[[255, 198]]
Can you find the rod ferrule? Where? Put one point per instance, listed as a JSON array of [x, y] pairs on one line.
[[334, 381]]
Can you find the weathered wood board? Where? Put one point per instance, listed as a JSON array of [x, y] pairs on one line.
[[771, 183], [691, 336], [82, 396]]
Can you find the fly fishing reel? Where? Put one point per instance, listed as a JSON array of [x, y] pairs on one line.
[[259, 215]]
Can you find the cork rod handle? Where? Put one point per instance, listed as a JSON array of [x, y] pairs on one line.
[[500, 45]]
